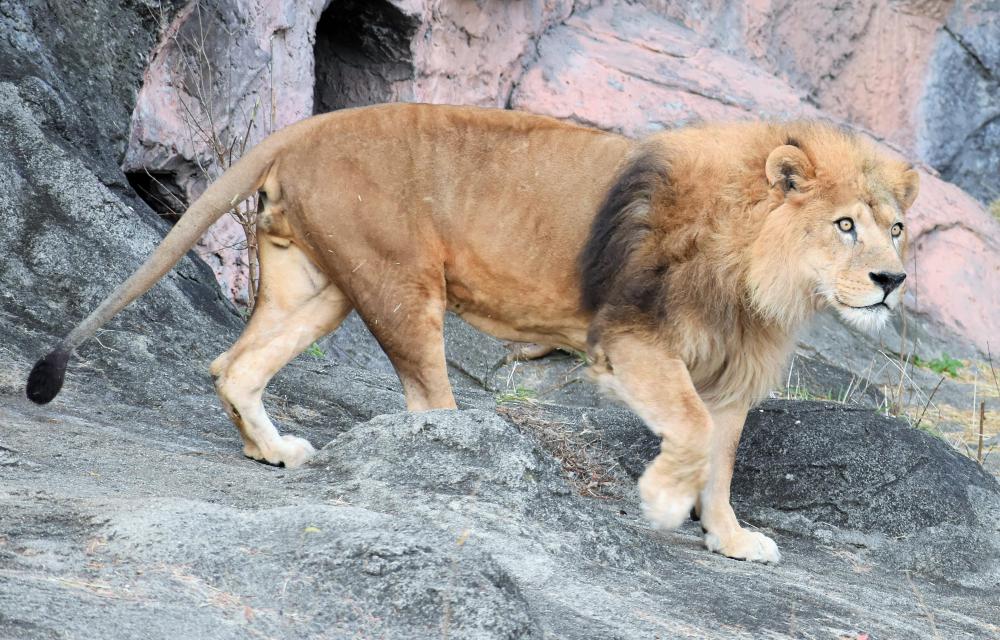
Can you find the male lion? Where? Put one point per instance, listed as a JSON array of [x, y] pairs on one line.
[[683, 264]]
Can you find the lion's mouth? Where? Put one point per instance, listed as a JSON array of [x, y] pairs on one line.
[[869, 307]]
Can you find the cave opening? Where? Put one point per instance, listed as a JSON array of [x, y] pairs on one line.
[[161, 191], [362, 53]]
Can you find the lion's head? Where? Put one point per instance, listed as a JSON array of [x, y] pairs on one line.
[[834, 229]]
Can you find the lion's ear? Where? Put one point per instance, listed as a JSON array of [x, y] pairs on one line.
[[908, 187], [787, 167]]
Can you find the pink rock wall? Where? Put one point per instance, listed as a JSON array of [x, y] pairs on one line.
[[955, 260], [261, 79], [862, 61], [473, 52], [632, 68], [261, 54], [922, 75]]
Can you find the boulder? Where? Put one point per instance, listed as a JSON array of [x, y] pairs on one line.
[[335, 569], [834, 473], [447, 522], [874, 482], [73, 226]]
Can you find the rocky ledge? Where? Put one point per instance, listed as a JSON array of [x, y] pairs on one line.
[[512, 521]]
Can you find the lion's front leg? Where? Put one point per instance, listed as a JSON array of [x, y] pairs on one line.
[[723, 533], [658, 388]]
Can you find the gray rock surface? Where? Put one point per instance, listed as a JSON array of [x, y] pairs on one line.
[[835, 473], [961, 127], [872, 482], [72, 224], [405, 525]]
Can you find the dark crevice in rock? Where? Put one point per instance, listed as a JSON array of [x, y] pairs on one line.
[[161, 191], [941, 228], [362, 49], [976, 60], [531, 55]]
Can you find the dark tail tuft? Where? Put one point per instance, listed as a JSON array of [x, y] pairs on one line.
[[46, 377]]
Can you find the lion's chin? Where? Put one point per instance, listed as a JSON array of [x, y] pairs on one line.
[[868, 319]]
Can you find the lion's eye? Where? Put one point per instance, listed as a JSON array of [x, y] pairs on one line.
[[897, 230], [845, 224]]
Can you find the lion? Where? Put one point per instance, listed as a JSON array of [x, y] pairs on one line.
[[683, 264]]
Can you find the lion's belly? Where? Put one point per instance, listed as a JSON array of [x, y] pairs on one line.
[[541, 332], [512, 309]]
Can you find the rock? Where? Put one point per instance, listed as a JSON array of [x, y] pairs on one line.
[[187, 112], [285, 61], [78, 67], [401, 523], [943, 223], [960, 128], [918, 74], [348, 571], [73, 226], [835, 474], [834, 53], [617, 67], [874, 481]]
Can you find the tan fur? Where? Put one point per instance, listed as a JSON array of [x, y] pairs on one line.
[[525, 351], [404, 211]]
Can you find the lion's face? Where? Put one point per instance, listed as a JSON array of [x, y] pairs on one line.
[[846, 230], [857, 259]]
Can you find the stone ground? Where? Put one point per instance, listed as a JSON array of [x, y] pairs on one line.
[[123, 518]]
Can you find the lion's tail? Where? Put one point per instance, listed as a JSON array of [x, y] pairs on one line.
[[234, 186]]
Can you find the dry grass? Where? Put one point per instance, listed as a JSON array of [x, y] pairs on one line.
[[968, 427], [584, 459], [964, 427]]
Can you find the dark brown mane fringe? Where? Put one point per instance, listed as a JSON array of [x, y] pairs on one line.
[[621, 224]]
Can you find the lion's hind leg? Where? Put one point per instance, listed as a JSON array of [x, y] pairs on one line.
[[406, 316], [659, 389], [297, 305]]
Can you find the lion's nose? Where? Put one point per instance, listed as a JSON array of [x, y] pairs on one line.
[[888, 281]]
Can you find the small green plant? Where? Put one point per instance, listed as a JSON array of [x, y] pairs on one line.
[[930, 430], [802, 393], [516, 394], [994, 208], [797, 393], [315, 351], [941, 366]]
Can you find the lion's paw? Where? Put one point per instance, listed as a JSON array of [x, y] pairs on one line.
[[289, 452], [665, 507], [251, 450], [745, 545]]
